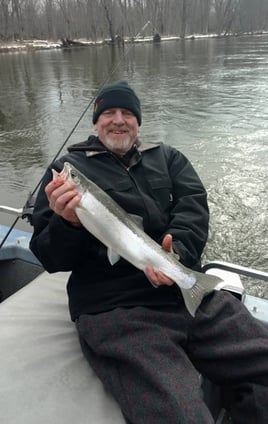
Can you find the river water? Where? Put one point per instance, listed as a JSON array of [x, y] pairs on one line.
[[206, 97]]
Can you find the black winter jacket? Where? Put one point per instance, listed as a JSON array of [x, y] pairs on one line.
[[154, 181]]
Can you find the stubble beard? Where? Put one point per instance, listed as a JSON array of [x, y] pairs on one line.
[[120, 147]]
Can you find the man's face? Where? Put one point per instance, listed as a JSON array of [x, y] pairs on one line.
[[117, 129]]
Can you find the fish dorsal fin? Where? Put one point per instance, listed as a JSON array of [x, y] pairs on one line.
[[137, 219], [113, 257]]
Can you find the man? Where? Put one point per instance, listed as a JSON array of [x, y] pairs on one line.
[[138, 337]]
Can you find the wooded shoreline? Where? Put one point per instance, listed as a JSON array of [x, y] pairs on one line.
[[35, 45]]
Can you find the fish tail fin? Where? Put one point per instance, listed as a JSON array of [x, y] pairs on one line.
[[204, 285]]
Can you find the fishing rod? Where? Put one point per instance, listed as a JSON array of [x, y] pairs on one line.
[[27, 209], [105, 81]]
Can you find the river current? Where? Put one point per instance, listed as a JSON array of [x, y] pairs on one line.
[[206, 97]]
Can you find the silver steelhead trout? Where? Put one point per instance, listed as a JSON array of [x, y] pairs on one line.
[[117, 230]]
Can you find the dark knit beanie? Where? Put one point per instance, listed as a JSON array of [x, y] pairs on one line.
[[118, 94]]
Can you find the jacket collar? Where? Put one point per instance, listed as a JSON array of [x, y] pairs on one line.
[[93, 146]]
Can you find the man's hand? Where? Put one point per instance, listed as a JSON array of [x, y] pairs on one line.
[[157, 278], [63, 198]]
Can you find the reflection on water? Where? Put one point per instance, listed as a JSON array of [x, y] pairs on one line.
[[208, 98]]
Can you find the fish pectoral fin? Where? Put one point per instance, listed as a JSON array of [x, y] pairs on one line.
[[112, 256]]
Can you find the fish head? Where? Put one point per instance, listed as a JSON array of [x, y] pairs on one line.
[[70, 173]]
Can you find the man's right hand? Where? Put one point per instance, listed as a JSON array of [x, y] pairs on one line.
[[63, 198]]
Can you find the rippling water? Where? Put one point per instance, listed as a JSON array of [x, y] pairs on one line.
[[208, 98]]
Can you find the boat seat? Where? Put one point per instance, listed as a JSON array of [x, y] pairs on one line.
[[44, 376]]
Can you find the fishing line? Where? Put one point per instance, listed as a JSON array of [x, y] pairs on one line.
[[28, 205], [105, 81]]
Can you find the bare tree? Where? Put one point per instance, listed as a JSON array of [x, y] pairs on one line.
[[51, 25], [4, 19], [108, 7], [204, 8], [30, 15], [65, 10], [183, 8], [226, 13], [92, 20], [140, 14], [253, 16], [124, 7], [100, 19], [17, 18]]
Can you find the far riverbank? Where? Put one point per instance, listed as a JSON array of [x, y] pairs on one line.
[[33, 45]]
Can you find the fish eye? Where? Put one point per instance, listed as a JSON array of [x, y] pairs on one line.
[[75, 177]]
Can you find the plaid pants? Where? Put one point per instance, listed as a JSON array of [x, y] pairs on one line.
[[150, 360]]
